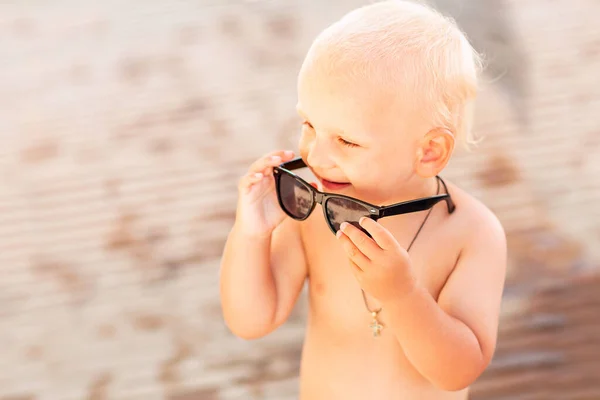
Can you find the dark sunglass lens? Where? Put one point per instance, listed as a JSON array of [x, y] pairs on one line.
[[296, 197], [344, 210]]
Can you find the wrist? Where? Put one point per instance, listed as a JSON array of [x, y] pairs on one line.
[[406, 298]]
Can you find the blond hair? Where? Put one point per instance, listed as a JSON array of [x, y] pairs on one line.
[[409, 48]]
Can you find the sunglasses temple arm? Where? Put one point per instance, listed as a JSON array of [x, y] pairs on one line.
[[410, 207], [448, 198]]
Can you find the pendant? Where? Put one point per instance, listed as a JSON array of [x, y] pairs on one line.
[[375, 326]]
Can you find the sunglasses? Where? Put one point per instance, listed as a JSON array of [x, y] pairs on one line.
[[298, 199]]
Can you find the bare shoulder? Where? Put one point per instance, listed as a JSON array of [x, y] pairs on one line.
[[475, 222]]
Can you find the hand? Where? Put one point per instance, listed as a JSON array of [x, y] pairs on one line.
[[381, 266], [258, 211]]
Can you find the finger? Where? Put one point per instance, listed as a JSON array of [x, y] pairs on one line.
[[364, 243], [353, 253], [380, 235], [271, 160], [287, 155], [262, 164], [249, 180]]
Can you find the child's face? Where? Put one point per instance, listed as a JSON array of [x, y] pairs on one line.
[[356, 136]]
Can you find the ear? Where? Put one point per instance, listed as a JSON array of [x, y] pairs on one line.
[[434, 152]]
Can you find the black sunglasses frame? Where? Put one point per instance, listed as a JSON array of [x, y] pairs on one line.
[[375, 212]]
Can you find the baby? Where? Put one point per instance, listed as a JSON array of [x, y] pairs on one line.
[[404, 299]]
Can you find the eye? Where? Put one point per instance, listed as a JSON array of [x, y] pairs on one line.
[[307, 124], [346, 143]]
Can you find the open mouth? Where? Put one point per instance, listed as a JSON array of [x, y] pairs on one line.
[[327, 184]]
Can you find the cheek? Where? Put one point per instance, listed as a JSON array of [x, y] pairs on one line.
[[367, 180], [374, 184], [398, 160]]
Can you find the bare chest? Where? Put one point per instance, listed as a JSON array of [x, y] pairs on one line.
[[335, 296]]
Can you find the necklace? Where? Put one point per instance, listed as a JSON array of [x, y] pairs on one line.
[[376, 325]]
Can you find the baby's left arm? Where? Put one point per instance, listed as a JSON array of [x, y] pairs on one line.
[[466, 315], [451, 341]]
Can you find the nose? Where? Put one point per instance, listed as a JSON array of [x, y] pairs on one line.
[[319, 155]]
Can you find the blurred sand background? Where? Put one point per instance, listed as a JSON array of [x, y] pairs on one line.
[[124, 127]]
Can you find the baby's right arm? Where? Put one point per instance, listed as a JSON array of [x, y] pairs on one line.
[[263, 266]]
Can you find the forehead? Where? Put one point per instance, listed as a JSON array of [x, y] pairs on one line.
[[336, 100]]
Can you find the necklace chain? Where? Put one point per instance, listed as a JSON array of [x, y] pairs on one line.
[[376, 325]]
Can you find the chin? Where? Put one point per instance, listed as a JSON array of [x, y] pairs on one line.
[[370, 197]]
